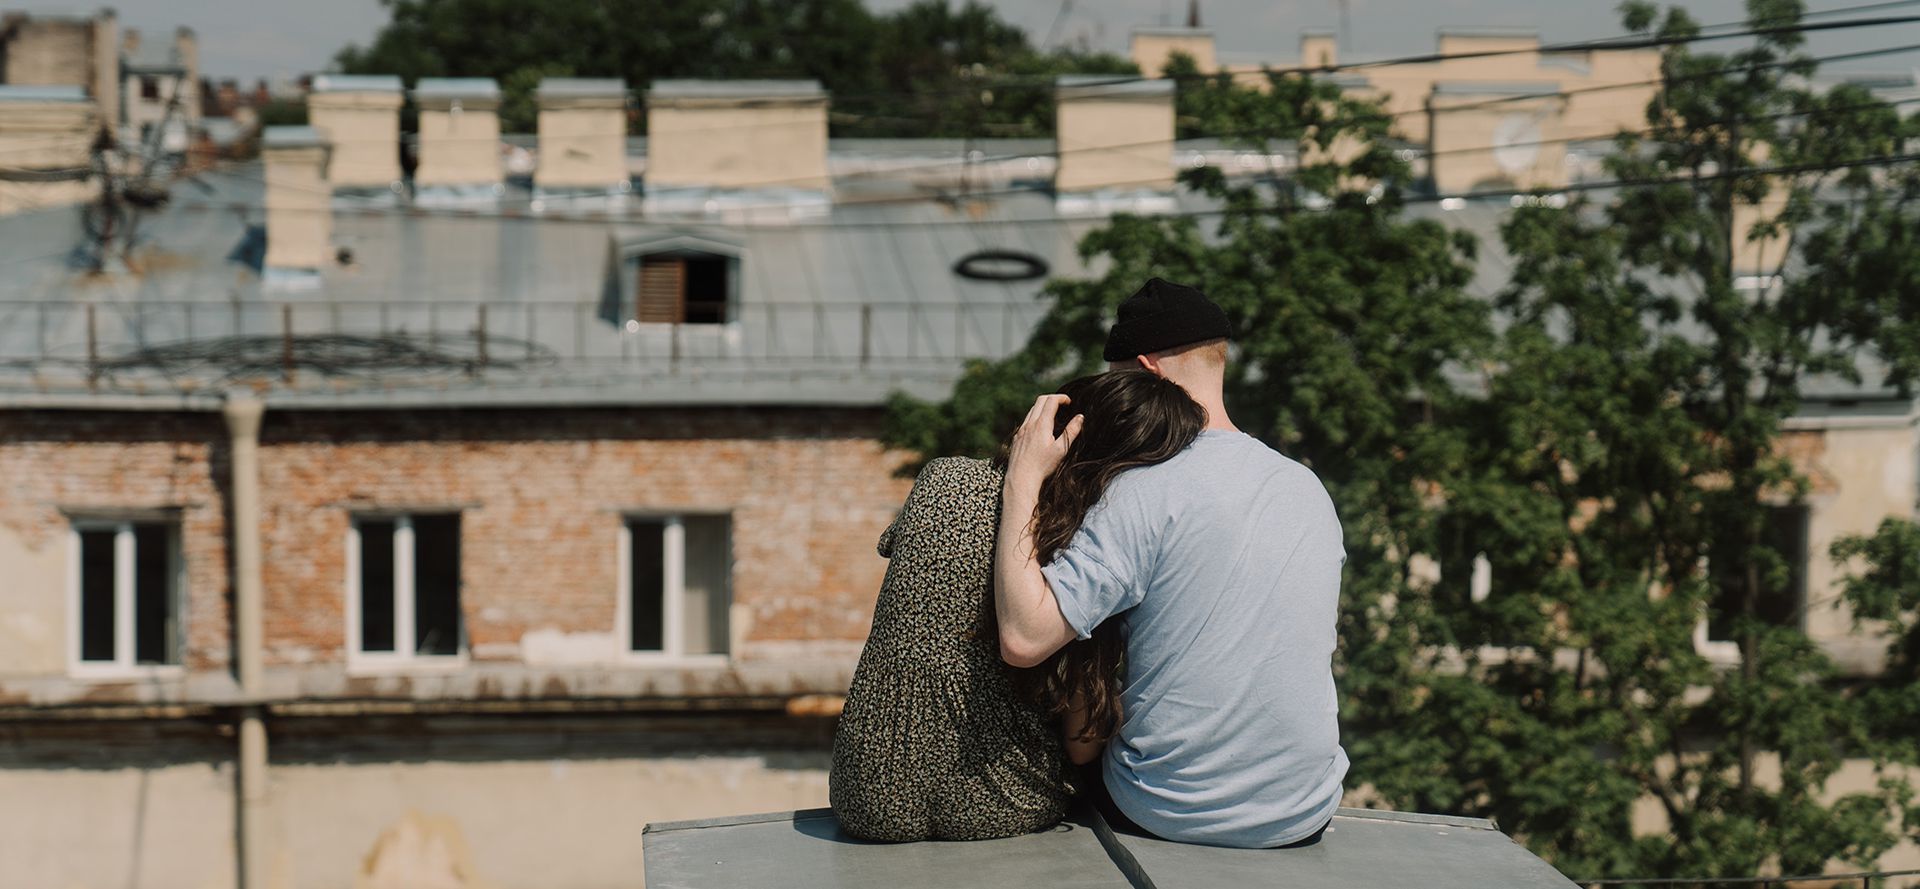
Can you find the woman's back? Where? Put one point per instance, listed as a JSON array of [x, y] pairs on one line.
[[935, 742]]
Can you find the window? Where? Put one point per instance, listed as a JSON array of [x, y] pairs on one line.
[[404, 587], [1779, 605], [126, 594], [149, 87], [675, 577], [681, 287]]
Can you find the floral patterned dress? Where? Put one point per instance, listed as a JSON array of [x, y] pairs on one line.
[[935, 741]]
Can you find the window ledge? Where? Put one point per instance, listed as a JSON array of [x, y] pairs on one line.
[[364, 665], [653, 660], [123, 673]]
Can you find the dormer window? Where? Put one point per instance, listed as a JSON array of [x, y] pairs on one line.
[[681, 288], [676, 279]]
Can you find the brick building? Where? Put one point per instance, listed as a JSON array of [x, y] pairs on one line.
[[368, 528]]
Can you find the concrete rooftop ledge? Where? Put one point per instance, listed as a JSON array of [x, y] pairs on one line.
[[1363, 848]]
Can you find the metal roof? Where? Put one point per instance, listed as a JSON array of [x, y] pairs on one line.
[[1362, 848], [1101, 85], [57, 93], [736, 89], [292, 137], [456, 88], [524, 306], [357, 83], [581, 88]]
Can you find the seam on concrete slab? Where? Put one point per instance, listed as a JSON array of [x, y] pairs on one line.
[[734, 820]]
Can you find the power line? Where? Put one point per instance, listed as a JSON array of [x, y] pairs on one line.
[[1478, 194], [1058, 153]]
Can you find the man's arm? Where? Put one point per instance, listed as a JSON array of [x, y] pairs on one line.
[[1032, 627]]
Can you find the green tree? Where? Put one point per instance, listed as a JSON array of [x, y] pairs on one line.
[[924, 70], [1605, 433]]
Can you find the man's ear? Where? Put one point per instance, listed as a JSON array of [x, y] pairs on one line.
[[1150, 364]]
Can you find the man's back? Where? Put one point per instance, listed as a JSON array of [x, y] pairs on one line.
[[1229, 556]]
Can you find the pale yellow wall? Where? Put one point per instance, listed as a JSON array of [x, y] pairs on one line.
[[1765, 254], [299, 208], [1525, 162], [1319, 50], [1120, 141], [1150, 50], [166, 826], [33, 617], [50, 53], [1582, 113], [1861, 475], [47, 136], [105, 79], [583, 144], [459, 147], [364, 130], [733, 143]]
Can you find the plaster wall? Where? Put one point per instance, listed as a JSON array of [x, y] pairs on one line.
[[1118, 141], [738, 144], [583, 144]]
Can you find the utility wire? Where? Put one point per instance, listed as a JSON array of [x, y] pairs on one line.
[[1059, 153], [1478, 194]]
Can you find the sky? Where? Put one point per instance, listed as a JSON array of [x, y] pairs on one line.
[[281, 38]]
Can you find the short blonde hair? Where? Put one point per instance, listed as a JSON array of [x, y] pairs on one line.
[[1212, 352]]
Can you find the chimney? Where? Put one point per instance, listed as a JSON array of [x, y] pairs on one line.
[[1113, 134], [1488, 136], [1152, 46], [299, 203], [105, 77], [1319, 49], [48, 133], [1454, 41], [583, 137], [186, 52], [459, 138], [359, 115], [737, 134]]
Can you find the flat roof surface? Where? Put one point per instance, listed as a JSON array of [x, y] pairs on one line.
[[1362, 848]]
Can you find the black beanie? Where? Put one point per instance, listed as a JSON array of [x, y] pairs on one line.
[[1161, 316]]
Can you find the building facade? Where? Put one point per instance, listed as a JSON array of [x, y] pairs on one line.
[[369, 528]]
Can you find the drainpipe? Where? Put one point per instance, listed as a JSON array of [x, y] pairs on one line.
[[242, 414]]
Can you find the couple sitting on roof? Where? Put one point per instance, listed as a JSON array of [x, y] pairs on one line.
[[1137, 587]]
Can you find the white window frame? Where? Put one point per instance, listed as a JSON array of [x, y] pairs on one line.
[[402, 657], [123, 665], [673, 558]]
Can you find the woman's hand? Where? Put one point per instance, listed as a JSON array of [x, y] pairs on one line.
[[1036, 450]]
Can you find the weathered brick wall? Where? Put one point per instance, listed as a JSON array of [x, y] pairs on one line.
[[56, 464], [541, 496]]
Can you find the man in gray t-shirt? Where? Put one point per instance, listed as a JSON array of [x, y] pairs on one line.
[[1224, 564]]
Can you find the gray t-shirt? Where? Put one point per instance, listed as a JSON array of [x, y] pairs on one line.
[[1229, 555]]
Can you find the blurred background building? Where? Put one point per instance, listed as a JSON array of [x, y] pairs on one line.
[[386, 506]]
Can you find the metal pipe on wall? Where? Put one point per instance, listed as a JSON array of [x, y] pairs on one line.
[[242, 413]]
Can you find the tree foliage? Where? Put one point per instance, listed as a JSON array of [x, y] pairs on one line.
[[1607, 433], [925, 70]]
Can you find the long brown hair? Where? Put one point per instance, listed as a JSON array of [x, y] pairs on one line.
[[1133, 418]]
